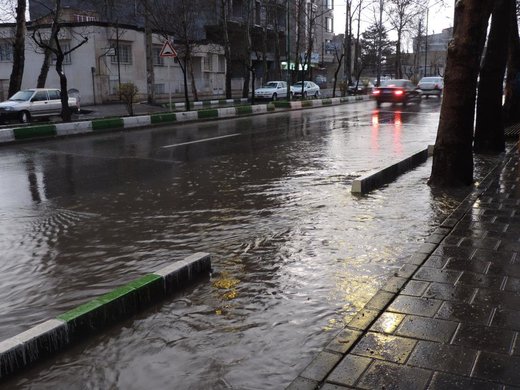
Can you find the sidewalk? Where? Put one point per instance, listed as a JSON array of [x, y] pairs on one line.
[[450, 318]]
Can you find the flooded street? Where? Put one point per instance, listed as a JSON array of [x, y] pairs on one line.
[[295, 255]]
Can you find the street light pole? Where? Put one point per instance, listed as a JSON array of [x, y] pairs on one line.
[[288, 51]]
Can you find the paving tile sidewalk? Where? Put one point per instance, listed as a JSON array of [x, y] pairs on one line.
[[450, 319]]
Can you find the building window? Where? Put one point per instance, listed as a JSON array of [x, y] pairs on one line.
[[329, 4], [329, 24], [156, 54], [67, 60], [208, 63], [6, 51], [238, 8], [258, 13], [84, 18], [125, 54], [159, 89]]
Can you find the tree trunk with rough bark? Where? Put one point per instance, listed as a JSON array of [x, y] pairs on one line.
[[453, 157], [489, 129], [15, 81], [512, 90], [150, 74], [46, 65]]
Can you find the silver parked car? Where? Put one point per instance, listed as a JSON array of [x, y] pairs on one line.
[[431, 86], [310, 89], [34, 103], [272, 90]]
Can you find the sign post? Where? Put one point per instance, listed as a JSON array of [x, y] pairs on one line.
[[168, 51]]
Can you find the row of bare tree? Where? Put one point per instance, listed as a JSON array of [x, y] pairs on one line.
[[469, 72], [188, 23]]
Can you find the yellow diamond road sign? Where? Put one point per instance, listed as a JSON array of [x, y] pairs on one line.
[[168, 50]]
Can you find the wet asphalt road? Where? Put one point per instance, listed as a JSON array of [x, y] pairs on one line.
[[269, 196]]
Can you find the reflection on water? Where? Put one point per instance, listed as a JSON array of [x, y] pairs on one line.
[[295, 256]]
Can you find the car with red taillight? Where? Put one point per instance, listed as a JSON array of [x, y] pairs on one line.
[[396, 91], [431, 86]]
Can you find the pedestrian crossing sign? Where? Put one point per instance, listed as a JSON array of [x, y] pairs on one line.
[[167, 50]]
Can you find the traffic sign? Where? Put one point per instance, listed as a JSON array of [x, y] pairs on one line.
[[167, 50]]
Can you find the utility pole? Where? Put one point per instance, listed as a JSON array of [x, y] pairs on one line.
[[426, 43], [288, 50]]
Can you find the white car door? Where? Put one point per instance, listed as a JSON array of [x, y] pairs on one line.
[[39, 105]]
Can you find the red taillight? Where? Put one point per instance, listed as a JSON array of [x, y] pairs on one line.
[[376, 92], [398, 92]]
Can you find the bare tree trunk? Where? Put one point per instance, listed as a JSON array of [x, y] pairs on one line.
[[15, 81], [189, 60], [44, 70], [398, 68], [150, 74], [453, 157], [489, 130], [227, 47], [512, 91]]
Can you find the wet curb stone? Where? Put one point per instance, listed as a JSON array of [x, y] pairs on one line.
[[53, 335], [387, 175], [335, 367], [51, 130]]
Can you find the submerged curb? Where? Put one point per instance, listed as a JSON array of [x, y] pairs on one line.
[[52, 130], [386, 175], [55, 334]]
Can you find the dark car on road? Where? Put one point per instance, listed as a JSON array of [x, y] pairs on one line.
[[396, 91]]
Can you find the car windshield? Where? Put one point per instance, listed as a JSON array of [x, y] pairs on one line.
[[21, 96], [271, 85], [393, 83]]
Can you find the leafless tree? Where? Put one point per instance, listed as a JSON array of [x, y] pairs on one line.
[[15, 81], [453, 152], [489, 128], [402, 14], [52, 43]]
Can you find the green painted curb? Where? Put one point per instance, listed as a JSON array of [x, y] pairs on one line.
[[307, 103], [162, 118], [282, 104], [79, 311], [271, 107], [244, 110], [326, 101], [205, 114], [34, 132], [107, 124]]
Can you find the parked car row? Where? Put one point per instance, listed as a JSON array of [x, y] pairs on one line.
[[274, 90]]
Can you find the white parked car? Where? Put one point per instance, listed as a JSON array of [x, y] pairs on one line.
[[310, 89], [33, 103], [431, 86], [273, 90]]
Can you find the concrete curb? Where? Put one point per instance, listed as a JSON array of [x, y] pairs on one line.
[[387, 175], [52, 130], [53, 335]]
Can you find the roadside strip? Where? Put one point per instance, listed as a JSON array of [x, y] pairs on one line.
[[52, 130], [55, 334]]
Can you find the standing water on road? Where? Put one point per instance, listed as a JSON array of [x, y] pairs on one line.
[[295, 254]]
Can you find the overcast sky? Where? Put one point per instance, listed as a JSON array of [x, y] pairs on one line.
[[439, 16]]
